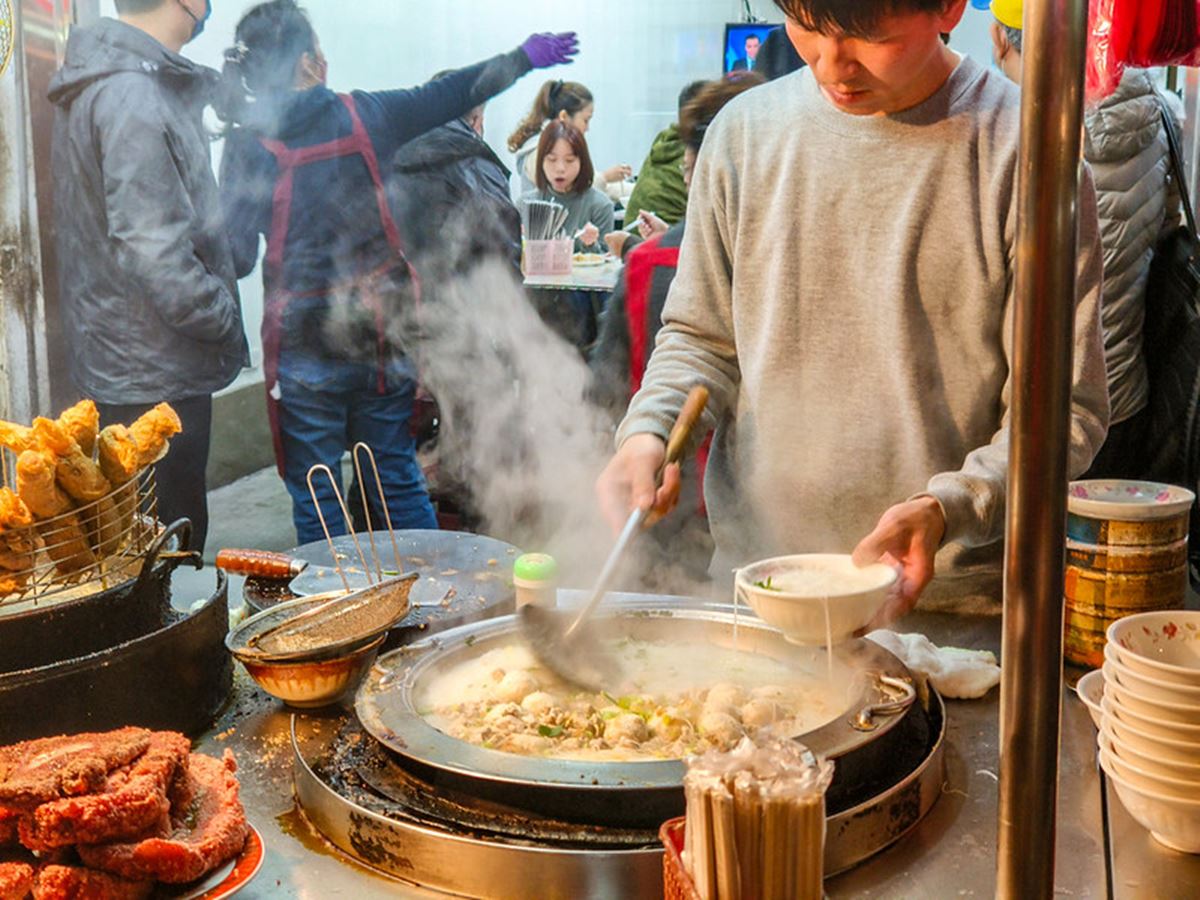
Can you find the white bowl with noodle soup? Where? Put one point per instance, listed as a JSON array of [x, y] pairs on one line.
[[815, 599]]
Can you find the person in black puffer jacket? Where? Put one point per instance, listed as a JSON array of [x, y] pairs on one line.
[[149, 295], [449, 192]]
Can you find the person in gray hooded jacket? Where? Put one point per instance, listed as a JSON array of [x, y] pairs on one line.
[[149, 295], [1125, 144]]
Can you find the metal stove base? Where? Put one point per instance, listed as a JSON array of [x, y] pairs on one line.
[[469, 866]]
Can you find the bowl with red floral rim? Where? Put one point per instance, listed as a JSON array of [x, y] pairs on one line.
[[1163, 644]]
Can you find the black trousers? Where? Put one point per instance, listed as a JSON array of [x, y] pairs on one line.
[[180, 475], [1123, 453]]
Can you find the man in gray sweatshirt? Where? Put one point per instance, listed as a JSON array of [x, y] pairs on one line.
[[845, 293]]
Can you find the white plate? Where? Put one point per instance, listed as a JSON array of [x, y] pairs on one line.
[[1127, 500]]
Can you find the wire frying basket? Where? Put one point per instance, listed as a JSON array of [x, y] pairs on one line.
[[82, 551]]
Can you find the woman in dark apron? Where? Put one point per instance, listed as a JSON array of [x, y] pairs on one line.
[[301, 166]]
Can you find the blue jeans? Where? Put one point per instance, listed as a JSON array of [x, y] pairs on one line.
[[326, 407]]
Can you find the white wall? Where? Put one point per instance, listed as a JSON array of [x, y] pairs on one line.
[[635, 56]]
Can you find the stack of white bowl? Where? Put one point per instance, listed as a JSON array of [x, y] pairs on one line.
[[1150, 722]]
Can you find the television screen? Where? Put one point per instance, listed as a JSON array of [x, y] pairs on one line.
[[742, 40]]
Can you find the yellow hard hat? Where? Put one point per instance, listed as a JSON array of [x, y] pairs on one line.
[[1008, 12]]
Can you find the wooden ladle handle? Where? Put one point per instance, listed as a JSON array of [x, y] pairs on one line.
[[685, 423]]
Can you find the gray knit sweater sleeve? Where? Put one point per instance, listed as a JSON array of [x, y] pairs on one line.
[[696, 344], [973, 498]]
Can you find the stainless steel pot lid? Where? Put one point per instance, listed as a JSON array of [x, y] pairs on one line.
[[387, 701]]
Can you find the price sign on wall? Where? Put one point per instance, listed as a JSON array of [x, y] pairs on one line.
[[6, 34]]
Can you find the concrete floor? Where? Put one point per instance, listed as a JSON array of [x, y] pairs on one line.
[[254, 512]]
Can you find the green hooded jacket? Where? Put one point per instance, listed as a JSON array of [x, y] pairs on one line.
[[659, 187]]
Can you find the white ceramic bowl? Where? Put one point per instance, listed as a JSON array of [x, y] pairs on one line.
[[1147, 744], [1152, 763], [1164, 644], [1172, 821], [1145, 779], [1159, 729], [814, 598], [1090, 689], [1134, 701], [1188, 734], [1147, 686]]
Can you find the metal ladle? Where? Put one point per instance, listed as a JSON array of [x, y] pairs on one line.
[[562, 641]]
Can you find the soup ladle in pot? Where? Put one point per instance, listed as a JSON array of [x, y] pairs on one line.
[[562, 640]]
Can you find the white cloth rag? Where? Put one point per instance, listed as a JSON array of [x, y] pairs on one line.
[[954, 672]]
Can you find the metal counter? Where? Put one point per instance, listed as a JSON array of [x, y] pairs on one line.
[[950, 854]]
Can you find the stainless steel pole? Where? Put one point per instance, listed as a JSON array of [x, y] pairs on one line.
[[1031, 686]]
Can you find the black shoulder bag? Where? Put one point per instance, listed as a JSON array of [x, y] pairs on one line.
[[1171, 345]]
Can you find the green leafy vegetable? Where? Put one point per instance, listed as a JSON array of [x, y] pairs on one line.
[[550, 731], [766, 585]]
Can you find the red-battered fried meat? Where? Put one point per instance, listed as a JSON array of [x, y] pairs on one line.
[[33, 772], [210, 831], [8, 826], [76, 883], [134, 800], [16, 880]]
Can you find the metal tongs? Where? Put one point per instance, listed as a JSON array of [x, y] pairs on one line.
[[562, 640], [379, 605]]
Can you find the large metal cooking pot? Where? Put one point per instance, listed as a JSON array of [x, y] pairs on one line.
[[60, 629], [876, 702], [176, 677]]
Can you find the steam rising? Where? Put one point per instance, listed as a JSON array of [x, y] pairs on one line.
[[517, 426]]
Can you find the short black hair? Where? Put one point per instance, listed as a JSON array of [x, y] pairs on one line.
[[855, 18], [133, 7], [1013, 35]]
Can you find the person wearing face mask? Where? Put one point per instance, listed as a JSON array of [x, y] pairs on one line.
[[847, 301], [146, 277], [304, 168], [562, 101]]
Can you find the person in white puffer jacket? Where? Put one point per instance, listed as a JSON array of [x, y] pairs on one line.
[[1125, 143]]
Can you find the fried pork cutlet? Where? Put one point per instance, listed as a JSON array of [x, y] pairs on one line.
[[204, 833], [8, 827], [16, 880], [76, 883], [36, 771], [133, 801]]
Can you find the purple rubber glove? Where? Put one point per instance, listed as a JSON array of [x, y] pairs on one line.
[[546, 50]]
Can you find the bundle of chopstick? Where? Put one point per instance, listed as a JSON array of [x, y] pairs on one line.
[[756, 822], [543, 220]]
